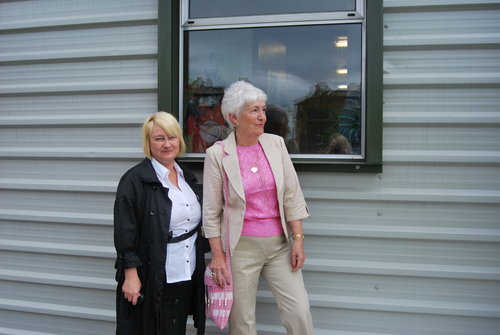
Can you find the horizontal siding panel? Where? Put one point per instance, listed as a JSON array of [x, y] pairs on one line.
[[89, 235], [404, 306], [71, 120], [68, 107], [56, 216], [422, 254], [58, 248], [73, 311], [71, 137], [58, 280], [78, 77], [123, 42], [443, 138], [440, 156], [402, 269], [414, 288], [404, 195], [39, 323], [82, 153], [33, 14], [440, 117], [378, 230], [57, 185], [36, 200], [428, 103], [38, 293], [57, 264], [425, 28], [88, 171]]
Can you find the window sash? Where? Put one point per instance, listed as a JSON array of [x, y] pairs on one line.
[[362, 69]]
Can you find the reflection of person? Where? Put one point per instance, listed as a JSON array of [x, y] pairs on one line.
[[339, 144], [350, 119], [277, 123], [266, 207], [160, 251]]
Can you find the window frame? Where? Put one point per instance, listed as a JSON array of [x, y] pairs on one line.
[[170, 67]]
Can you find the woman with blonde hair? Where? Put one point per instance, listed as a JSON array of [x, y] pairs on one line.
[[160, 249]]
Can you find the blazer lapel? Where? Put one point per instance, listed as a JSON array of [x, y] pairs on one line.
[[232, 166]]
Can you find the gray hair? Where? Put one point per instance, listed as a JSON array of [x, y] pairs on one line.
[[236, 96]]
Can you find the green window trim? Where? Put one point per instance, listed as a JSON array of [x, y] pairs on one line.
[[169, 98]]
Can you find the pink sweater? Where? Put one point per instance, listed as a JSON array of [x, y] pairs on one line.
[[262, 216]]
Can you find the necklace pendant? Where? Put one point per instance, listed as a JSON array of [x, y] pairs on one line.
[[254, 169]]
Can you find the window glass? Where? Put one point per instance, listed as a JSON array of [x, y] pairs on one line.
[[311, 74], [225, 8]]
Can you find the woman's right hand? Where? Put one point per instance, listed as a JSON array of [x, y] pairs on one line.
[[220, 271], [131, 286]]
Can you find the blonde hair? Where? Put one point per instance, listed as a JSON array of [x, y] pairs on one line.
[[168, 123]]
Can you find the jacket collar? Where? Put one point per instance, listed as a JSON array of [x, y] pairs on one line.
[[148, 173]]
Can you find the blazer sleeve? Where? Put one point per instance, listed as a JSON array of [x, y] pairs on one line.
[[126, 223], [294, 204], [213, 197]]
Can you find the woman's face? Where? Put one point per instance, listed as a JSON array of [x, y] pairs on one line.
[[164, 148], [252, 119]]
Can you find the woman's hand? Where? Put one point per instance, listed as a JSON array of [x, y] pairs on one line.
[[131, 286], [220, 271], [298, 255]]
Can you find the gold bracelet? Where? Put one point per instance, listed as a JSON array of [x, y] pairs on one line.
[[296, 236]]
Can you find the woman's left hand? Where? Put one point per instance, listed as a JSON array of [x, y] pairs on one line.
[[298, 255]]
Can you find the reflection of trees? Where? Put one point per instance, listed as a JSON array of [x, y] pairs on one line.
[[203, 120], [318, 118]]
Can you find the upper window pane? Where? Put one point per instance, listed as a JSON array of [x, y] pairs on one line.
[[311, 74], [225, 8]]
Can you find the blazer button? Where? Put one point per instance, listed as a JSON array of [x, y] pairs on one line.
[[152, 212]]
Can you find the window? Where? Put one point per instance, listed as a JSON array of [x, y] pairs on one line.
[[310, 57]]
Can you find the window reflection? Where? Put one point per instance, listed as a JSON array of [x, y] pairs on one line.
[[313, 84]]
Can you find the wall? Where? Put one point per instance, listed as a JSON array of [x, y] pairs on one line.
[[412, 250], [76, 79]]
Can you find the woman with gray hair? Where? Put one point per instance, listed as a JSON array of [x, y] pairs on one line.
[[265, 210]]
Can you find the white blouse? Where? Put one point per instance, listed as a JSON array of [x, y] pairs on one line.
[[185, 216]]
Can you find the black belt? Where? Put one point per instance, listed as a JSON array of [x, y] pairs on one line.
[[184, 236]]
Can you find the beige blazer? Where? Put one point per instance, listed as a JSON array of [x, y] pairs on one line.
[[292, 205]]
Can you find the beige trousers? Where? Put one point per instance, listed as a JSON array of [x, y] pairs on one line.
[[269, 256]]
